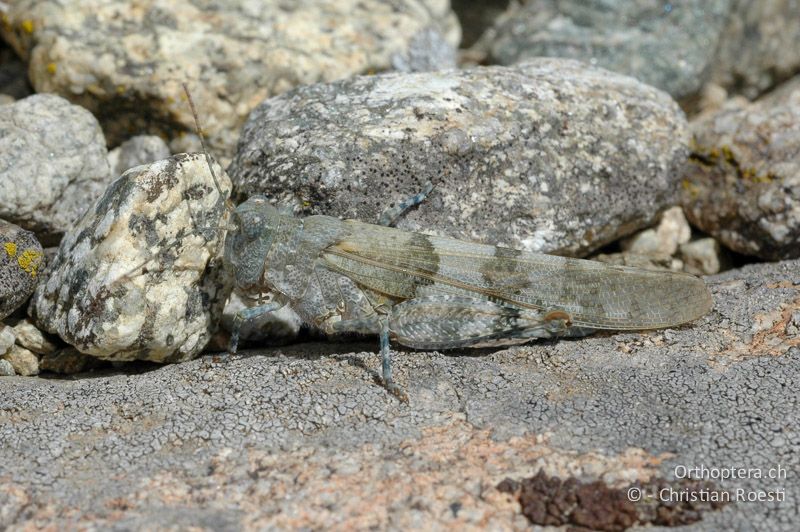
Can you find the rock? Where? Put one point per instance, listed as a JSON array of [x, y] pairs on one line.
[[142, 149], [427, 50], [67, 362], [24, 362], [743, 186], [758, 47], [302, 436], [551, 155], [703, 256], [7, 338], [29, 337], [52, 162], [6, 369], [279, 327], [20, 263], [126, 62], [669, 45], [663, 241], [133, 279]]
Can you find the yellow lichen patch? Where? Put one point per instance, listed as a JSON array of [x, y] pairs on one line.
[[29, 260], [27, 26], [51, 68], [690, 188], [11, 249]]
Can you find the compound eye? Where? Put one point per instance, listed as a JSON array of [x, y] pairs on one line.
[[251, 227]]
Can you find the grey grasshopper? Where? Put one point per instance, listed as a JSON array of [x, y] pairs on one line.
[[429, 292]]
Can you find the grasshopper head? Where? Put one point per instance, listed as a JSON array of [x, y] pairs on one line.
[[248, 242]]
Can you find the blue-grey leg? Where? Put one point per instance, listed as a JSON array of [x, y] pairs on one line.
[[248, 314], [386, 362], [392, 214]]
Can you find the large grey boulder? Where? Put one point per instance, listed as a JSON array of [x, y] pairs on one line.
[[551, 155], [669, 45], [742, 45], [133, 279], [53, 164], [126, 61]]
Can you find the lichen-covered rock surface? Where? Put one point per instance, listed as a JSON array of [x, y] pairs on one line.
[[303, 437], [21, 261], [743, 183], [126, 61], [550, 155], [133, 279], [669, 45], [53, 164]]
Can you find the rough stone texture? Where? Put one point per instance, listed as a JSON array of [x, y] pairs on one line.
[[669, 45], [29, 337], [758, 47], [133, 279], [53, 164], [302, 437], [427, 50], [741, 45], [551, 155], [24, 362], [703, 256], [141, 149], [7, 338], [6, 370], [21, 258], [743, 186], [125, 62], [663, 240]]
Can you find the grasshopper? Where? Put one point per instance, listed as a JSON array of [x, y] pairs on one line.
[[429, 292]]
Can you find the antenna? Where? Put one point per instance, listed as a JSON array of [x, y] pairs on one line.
[[203, 145]]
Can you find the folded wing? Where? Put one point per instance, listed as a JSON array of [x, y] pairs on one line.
[[597, 295]]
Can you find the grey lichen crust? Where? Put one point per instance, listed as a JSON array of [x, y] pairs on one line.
[[52, 163], [21, 264], [131, 280], [743, 186], [125, 61], [302, 437], [551, 155]]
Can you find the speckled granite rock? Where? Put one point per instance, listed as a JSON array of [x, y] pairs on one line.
[[551, 155], [743, 186], [52, 164], [6, 370], [29, 337], [130, 280], [6, 338], [302, 437], [669, 45], [125, 62], [21, 257], [24, 361], [141, 149], [427, 50]]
